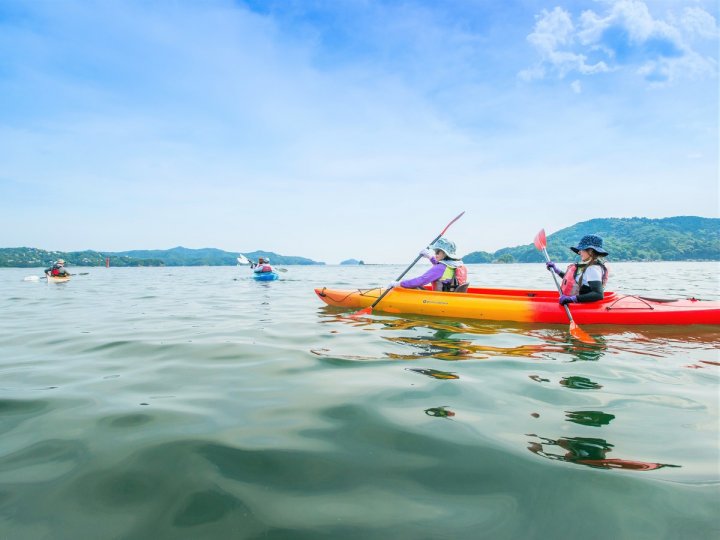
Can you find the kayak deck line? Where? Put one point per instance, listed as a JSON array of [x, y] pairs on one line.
[[361, 292]]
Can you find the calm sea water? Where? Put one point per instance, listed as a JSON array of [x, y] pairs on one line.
[[198, 403]]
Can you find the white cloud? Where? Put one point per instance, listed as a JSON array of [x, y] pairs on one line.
[[698, 22], [626, 36], [576, 86], [554, 31]]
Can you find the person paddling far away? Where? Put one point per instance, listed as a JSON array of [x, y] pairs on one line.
[[57, 269], [447, 272], [263, 265], [584, 281]]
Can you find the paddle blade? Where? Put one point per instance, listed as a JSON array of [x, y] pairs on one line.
[[540, 240], [361, 313], [242, 259], [580, 334]]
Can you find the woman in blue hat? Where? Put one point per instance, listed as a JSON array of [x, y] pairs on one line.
[[584, 281], [447, 271]]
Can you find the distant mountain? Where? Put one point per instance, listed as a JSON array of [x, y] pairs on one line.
[[683, 238], [181, 256], [24, 257], [679, 238]]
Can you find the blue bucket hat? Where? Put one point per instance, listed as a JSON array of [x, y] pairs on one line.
[[448, 246], [591, 241]]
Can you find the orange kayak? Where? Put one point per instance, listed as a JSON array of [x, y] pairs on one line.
[[532, 306]]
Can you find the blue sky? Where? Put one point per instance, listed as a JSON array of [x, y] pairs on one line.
[[350, 128]]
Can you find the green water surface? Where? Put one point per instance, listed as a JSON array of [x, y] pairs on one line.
[[198, 403]]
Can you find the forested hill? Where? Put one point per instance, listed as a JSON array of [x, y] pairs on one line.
[[181, 256], [682, 238], [24, 257]]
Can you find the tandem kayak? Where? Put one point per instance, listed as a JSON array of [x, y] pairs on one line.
[[266, 276], [533, 306]]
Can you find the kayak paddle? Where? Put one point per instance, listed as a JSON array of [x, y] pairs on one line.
[[368, 310], [575, 331], [242, 259], [38, 278]]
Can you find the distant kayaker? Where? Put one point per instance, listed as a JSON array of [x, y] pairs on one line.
[[584, 281], [57, 269], [263, 265], [447, 272]]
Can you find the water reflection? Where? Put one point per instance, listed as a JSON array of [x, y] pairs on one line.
[[575, 382], [579, 383], [591, 452], [589, 418], [447, 340], [434, 373], [440, 412], [462, 349], [703, 364], [697, 335], [588, 352], [441, 329], [445, 344], [418, 338], [454, 339]]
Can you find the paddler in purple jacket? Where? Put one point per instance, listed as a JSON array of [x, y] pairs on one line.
[[446, 273]]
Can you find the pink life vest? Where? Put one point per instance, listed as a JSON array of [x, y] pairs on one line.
[[264, 268], [461, 275], [571, 287]]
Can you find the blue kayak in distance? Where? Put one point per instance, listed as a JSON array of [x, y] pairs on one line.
[[266, 276]]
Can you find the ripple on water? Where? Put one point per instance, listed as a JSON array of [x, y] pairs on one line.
[[44, 461], [125, 421], [16, 411]]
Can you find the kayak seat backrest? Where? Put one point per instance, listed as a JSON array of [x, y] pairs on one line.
[[462, 288]]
